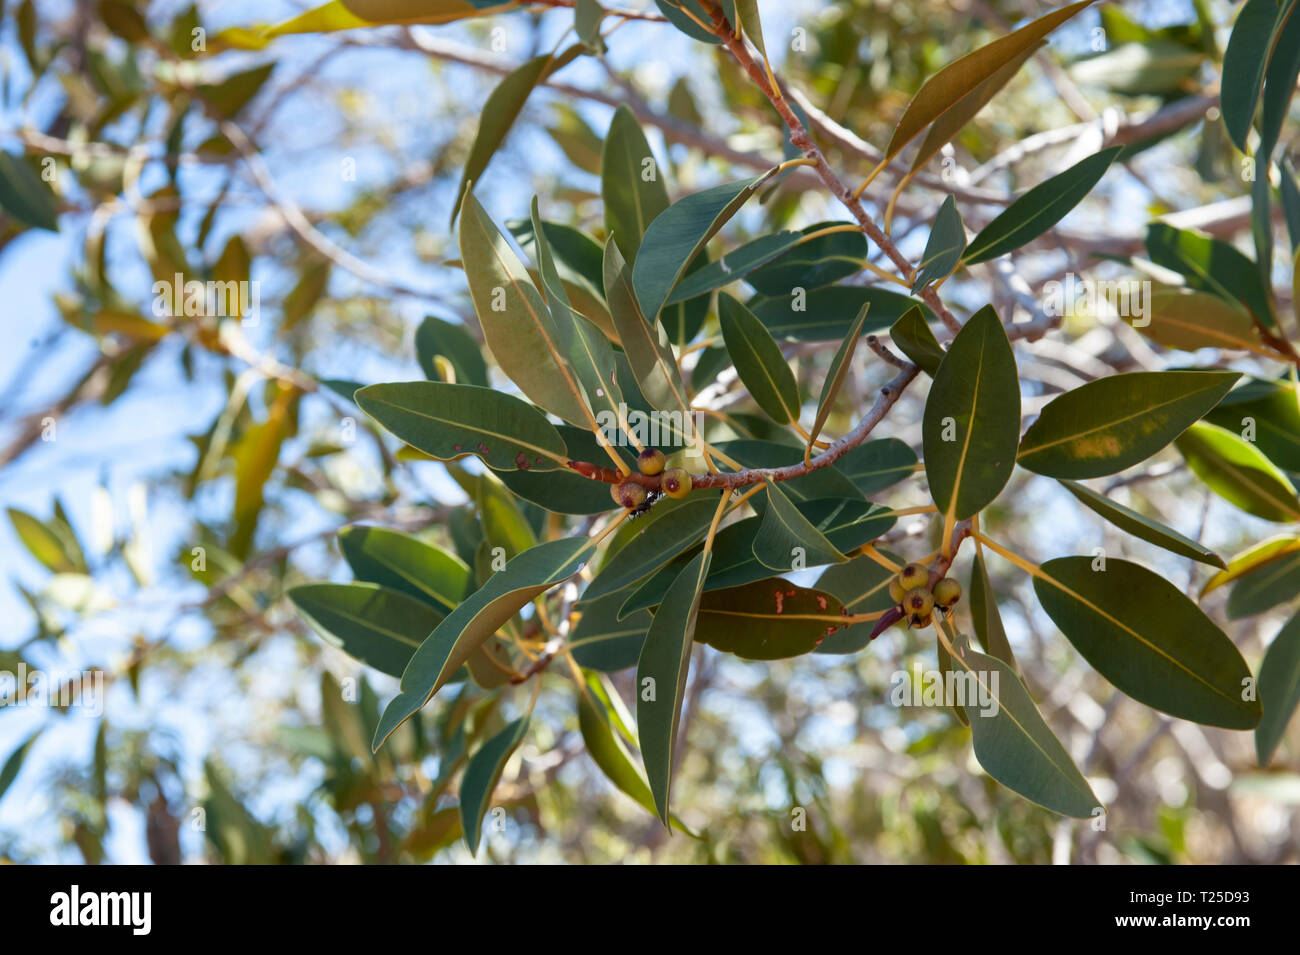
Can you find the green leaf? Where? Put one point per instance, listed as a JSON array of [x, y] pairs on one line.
[[648, 353], [787, 539], [661, 677], [944, 247], [679, 233], [564, 492], [436, 338], [225, 99], [350, 14], [1188, 320], [630, 184], [1143, 527], [1251, 46], [1115, 422], [1147, 638], [587, 15], [1279, 87], [972, 418], [43, 542], [861, 586], [1265, 588], [1239, 472], [376, 625], [660, 537], [470, 625], [1268, 411], [13, 764], [836, 373], [812, 263], [912, 335], [769, 619], [759, 362], [733, 266], [451, 421], [482, 773], [1211, 266], [504, 525], [878, 465], [524, 338], [947, 126], [691, 27], [1251, 559], [404, 563], [985, 616], [1039, 209], [826, 314], [962, 80], [1015, 745], [747, 11], [601, 641], [499, 113], [24, 196], [1279, 689]]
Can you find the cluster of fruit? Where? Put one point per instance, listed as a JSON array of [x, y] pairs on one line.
[[917, 600], [675, 482]]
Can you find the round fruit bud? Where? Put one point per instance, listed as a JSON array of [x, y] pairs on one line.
[[912, 576], [918, 602], [629, 494], [947, 592], [651, 461], [676, 482], [896, 590]]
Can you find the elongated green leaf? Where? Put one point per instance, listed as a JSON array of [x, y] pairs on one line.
[[1014, 744], [376, 625], [733, 266], [747, 11], [482, 773], [948, 125], [1147, 638], [836, 373], [1268, 413], [826, 314], [499, 113], [451, 421], [602, 641], [768, 620], [913, 337], [1279, 87], [404, 563], [519, 328], [972, 418], [13, 763], [630, 183], [861, 586], [661, 677], [1115, 422], [1141, 526], [1279, 689], [1188, 320], [438, 339], [679, 233], [786, 539], [1250, 48], [813, 262], [1239, 472], [44, 543], [1212, 266], [587, 15], [470, 625], [646, 346], [660, 537], [759, 362], [985, 616], [1265, 588], [963, 79], [878, 465], [1039, 209], [24, 196], [1252, 558], [944, 247], [693, 25], [350, 14], [504, 525]]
